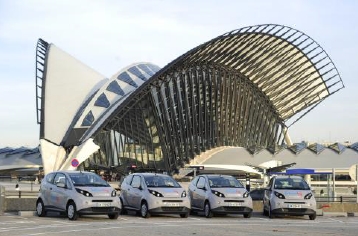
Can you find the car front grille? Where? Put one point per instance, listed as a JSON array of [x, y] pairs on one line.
[[234, 201], [103, 209], [228, 209], [171, 209], [172, 200], [102, 200]]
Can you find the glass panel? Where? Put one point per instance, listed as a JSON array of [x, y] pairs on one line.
[[102, 101], [126, 78], [134, 70], [115, 88], [88, 120]]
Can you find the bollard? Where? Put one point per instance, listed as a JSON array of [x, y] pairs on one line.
[[19, 194]]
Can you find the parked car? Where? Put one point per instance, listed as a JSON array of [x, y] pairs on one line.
[[220, 194], [77, 193], [151, 193], [257, 194], [289, 195]]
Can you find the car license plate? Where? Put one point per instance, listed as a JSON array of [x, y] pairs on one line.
[[234, 204], [172, 204], [103, 204], [294, 206]]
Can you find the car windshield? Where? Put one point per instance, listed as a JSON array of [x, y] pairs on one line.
[[87, 179], [291, 183], [224, 182], [159, 181]]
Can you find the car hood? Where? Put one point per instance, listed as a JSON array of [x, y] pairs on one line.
[[294, 194], [98, 191], [231, 192], [169, 192]]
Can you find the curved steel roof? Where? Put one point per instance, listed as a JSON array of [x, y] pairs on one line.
[[287, 71]]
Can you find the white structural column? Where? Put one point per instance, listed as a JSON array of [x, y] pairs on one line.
[[52, 155], [81, 153]]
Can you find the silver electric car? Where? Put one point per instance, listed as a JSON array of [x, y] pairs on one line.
[[151, 193], [219, 194], [289, 195], [77, 193]]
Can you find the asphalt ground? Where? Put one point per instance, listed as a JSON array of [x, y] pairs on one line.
[[197, 225]]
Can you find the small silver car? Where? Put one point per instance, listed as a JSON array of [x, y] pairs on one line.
[[77, 193], [150, 193], [289, 195], [219, 194]]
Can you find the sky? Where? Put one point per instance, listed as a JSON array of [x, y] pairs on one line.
[[109, 35]]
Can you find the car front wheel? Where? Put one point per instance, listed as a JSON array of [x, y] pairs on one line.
[[247, 215], [144, 210], [40, 208], [270, 214], [72, 211], [313, 216], [113, 216], [207, 210]]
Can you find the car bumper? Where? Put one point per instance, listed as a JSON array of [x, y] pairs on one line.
[[92, 206], [99, 210], [169, 210], [293, 211], [232, 210]]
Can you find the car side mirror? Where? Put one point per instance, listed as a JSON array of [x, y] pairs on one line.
[[61, 185], [202, 187]]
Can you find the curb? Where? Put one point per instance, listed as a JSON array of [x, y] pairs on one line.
[[341, 214], [26, 213]]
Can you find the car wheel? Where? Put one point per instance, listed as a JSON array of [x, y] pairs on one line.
[[40, 208], [123, 210], [192, 212], [184, 215], [144, 210], [313, 216], [270, 214], [113, 216], [207, 210], [72, 213], [264, 212], [247, 215]]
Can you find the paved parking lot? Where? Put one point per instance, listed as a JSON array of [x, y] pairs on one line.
[[174, 225]]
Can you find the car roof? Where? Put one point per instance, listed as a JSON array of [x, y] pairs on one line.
[[150, 174], [216, 175], [288, 176], [71, 171]]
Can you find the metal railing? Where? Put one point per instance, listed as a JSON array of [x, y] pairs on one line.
[[340, 199], [20, 194]]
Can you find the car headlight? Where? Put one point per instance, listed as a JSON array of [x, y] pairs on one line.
[[155, 193], [308, 196], [84, 192], [114, 193], [246, 194], [217, 193], [279, 195], [183, 194]]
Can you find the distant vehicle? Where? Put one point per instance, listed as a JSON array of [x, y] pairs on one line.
[[150, 193], [220, 194], [289, 195], [257, 194], [27, 178], [77, 193]]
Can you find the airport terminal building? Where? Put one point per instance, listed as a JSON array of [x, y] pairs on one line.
[[241, 89], [226, 105]]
